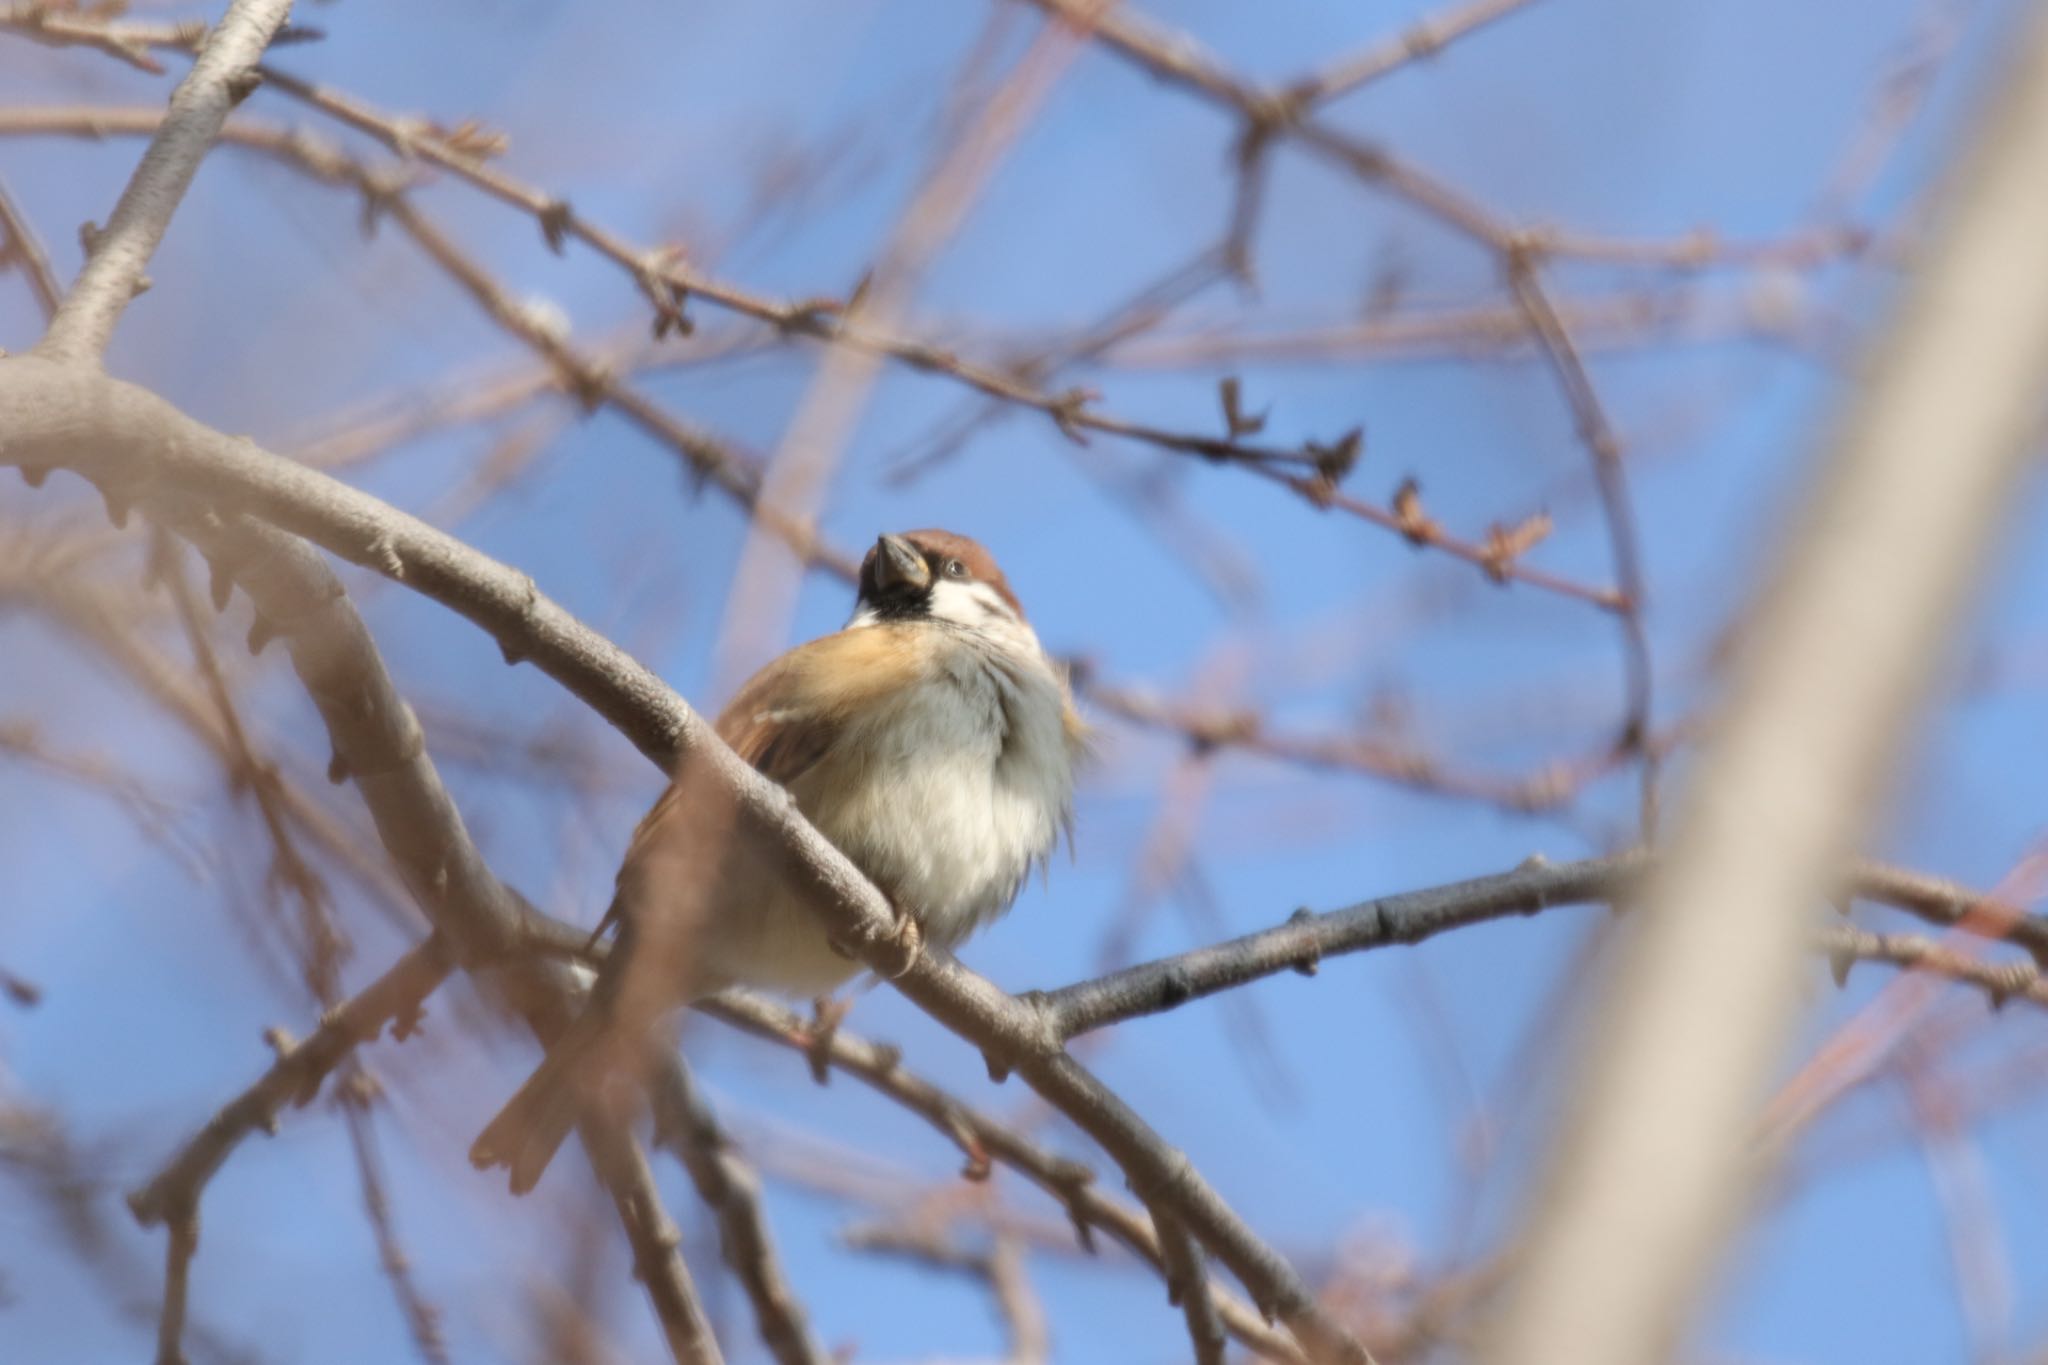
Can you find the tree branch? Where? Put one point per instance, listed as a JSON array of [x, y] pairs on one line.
[[139, 445], [1410, 917], [294, 1078], [20, 246], [221, 77], [728, 1186], [983, 1140]]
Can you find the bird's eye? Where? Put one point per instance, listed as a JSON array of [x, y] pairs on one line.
[[955, 569]]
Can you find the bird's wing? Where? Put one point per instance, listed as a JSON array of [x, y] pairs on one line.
[[791, 713]]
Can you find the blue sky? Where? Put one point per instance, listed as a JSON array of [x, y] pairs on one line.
[[271, 313]]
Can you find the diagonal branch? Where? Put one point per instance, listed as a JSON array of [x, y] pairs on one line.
[[221, 77], [731, 1190], [982, 1140], [140, 447], [1187, 1286], [1421, 40], [393, 999], [20, 246]]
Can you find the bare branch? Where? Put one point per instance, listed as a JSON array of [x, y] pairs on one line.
[[1401, 766], [178, 1251], [294, 1078], [1305, 939], [729, 1188], [983, 1140], [764, 587], [1603, 447], [657, 1260], [1187, 1286], [1410, 917], [422, 1318], [44, 22], [52, 415], [20, 246], [222, 75], [593, 383], [1420, 40], [1999, 981]]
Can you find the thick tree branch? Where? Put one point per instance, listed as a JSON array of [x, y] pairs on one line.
[[377, 741], [137, 446]]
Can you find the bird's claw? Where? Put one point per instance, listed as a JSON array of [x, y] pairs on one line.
[[908, 944]]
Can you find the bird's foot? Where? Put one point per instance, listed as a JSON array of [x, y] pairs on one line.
[[827, 1013], [906, 945]]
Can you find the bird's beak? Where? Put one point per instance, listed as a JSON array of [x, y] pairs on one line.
[[899, 565]]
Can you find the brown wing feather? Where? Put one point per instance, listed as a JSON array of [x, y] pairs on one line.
[[789, 715]]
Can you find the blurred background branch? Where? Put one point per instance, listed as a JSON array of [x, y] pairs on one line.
[[1526, 312]]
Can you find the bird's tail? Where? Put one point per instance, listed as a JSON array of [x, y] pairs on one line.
[[534, 1123]]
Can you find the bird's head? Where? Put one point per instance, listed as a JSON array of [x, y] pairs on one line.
[[935, 576]]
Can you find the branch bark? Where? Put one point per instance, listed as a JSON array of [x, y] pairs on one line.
[[221, 77], [294, 1078], [138, 447]]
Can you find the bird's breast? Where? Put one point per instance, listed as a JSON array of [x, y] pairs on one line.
[[947, 791]]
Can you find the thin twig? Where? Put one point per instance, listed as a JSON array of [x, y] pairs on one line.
[[178, 1251], [322, 946], [422, 1318], [20, 246], [1423, 39], [1246, 731], [591, 382], [44, 21], [294, 1078], [1624, 541], [2017, 979], [1187, 1288]]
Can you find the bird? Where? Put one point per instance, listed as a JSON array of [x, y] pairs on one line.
[[931, 739]]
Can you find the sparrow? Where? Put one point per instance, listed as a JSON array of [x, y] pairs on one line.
[[932, 740]]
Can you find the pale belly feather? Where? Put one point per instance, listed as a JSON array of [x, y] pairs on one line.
[[946, 796]]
